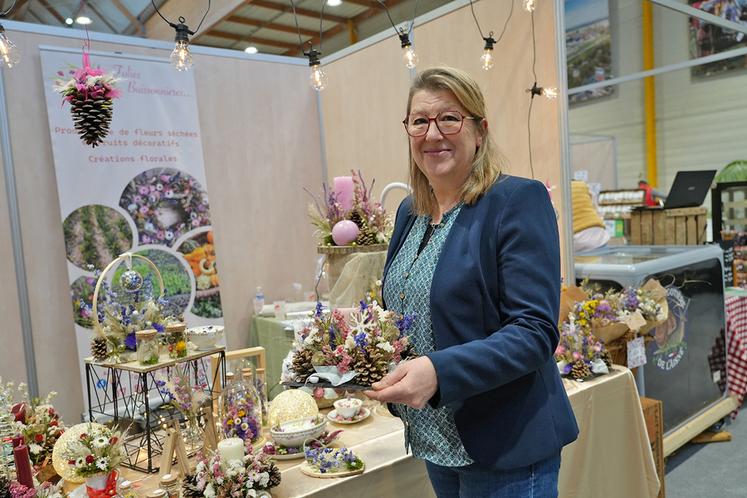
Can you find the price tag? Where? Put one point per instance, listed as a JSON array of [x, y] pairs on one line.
[[636, 353]]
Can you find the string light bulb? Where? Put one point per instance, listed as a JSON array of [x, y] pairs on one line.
[[549, 92], [409, 56], [318, 77], [181, 58], [487, 53], [9, 53], [529, 5]]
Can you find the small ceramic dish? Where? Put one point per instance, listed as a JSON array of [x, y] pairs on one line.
[[205, 337], [348, 407], [362, 414], [292, 434]]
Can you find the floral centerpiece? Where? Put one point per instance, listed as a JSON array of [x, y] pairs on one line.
[[213, 477], [593, 322], [121, 310], [360, 347], [95, 456], [41, 427], [579, 354], [186, 397], [331, 461], [90, 93], [340, 222]]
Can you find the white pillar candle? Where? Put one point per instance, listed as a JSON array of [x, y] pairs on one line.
[[231, 449]]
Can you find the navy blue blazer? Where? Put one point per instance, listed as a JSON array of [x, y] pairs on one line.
[[494, 305]]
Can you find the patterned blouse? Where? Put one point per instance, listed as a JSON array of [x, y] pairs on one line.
[[431, 433]]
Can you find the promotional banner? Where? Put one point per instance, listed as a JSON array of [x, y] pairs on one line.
[[142, 189]]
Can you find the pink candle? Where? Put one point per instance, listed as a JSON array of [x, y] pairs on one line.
[[23, 465], [344, 189]]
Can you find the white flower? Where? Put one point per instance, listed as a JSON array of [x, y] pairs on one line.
[[80, 462], [264, 479], [35, 448], [386, 347], [102, 463], [100, 442], [209, 491], [200, 467], [350, 342], [250, 492]]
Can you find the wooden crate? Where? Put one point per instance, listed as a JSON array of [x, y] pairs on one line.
[[656, 226], [654, 416]]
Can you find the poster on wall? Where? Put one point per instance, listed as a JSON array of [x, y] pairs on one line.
[[708, 39], [588, 47], [142, 190]]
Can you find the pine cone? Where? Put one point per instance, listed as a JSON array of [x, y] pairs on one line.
[[4, 487], [274, 476], [302, 365], [580, 370], [366, 237], [189, 487], [370, 369], [92, 118], [99, 349], [357, 217]]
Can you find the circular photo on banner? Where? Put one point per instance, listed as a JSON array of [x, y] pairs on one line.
[[95, 235], [81, 292], [165, 204], [178, 287], [199, 253]]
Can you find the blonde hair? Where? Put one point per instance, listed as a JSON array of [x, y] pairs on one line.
[[486, 165]]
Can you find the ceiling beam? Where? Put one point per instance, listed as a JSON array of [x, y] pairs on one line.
[[299, 11], [366, 14], [192, 11], [252, 39], [100, 16], [19, 12], [270, 25], [134, 21], [52, 11]]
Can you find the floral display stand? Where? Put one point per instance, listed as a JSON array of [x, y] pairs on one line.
[[128, 394]]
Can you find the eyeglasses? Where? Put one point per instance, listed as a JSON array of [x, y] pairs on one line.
[[447, 122]]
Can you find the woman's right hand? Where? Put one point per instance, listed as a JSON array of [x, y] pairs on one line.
[[413, 383]]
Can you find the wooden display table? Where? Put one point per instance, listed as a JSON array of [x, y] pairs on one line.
[[611, 458]]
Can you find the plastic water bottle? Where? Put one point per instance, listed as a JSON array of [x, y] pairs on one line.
[[259, 301]]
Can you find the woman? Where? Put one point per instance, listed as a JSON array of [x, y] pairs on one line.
[[475, 255]]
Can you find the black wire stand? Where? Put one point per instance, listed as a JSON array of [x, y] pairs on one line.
[[127, 395]]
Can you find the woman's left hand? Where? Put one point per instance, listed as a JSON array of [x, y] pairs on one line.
[[412, 383]]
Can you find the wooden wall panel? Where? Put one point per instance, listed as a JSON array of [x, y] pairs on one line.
[[261, 145]]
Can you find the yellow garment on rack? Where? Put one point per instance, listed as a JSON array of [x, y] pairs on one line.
[[584, 214]]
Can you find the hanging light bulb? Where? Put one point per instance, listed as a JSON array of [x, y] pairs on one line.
[[9, 53], [409, 56], [318, 78], [181, 58], [550, 93], [487, 53], [529, 5]]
